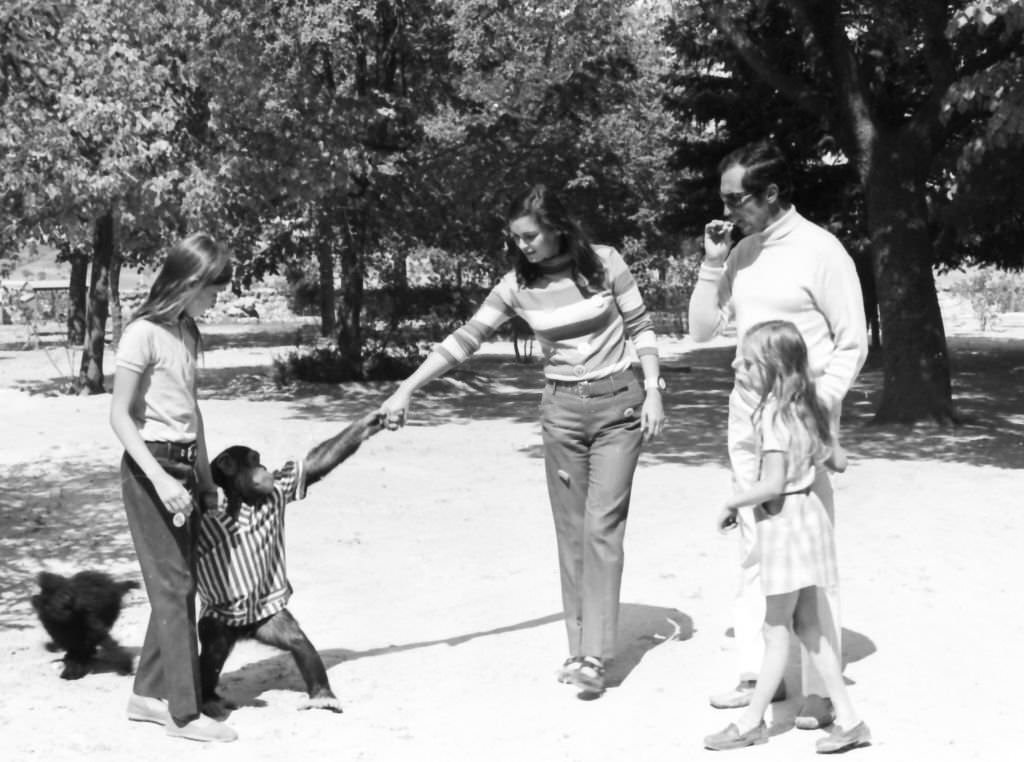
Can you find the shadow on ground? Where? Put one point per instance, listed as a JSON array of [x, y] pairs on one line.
[[37, 529], [641, 628], [855, 646], [987, 375], [491, 388]]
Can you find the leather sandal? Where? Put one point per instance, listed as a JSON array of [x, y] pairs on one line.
[[589, 677], [568, 668]]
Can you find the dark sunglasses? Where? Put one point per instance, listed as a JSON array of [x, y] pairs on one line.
[[734, 200]]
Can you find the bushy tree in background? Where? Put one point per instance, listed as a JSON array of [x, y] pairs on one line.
[[892, 89], [92, 160]]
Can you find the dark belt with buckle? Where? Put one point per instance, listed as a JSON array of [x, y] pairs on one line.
[[616, 382], [174, 452]]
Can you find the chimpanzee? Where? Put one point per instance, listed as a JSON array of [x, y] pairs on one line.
[[243, 586]]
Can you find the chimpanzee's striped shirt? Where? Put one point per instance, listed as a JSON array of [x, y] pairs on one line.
[[582, 338], [241, 561]]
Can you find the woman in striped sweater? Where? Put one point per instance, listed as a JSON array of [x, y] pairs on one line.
[[583, 306]]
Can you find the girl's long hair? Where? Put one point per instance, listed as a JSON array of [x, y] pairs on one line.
[[191, 264], [551, 215], [782, 354]]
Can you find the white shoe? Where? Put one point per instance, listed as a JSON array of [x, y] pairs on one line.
[[148, 709], [202, 728]]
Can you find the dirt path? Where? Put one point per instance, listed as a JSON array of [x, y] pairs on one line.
[[425, 572]]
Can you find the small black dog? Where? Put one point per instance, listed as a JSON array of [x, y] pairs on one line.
[[77, 613]]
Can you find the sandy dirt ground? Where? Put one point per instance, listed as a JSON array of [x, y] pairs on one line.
[[425, 571]]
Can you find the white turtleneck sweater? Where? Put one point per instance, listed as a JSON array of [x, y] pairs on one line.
[[797, 271]]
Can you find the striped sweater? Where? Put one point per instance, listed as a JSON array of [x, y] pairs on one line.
[[240, 565], [582, 338]]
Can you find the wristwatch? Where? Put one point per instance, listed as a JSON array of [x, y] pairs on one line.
[[654, 383]]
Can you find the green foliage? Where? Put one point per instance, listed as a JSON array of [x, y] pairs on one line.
[[950, 75], [564, 93], [329, 365], [990, 292], [303, 287], [319, 365], [98, 126], [367, 128]]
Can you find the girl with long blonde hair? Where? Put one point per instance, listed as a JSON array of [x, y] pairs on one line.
[[794, 533]]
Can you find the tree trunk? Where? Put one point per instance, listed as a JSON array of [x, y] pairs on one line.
[[350, 328], [866, 275], [325, 260], [90, 377], [114, 280], [916, 362], [76, 297]]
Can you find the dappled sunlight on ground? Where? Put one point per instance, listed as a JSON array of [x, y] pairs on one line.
[[425, 569]]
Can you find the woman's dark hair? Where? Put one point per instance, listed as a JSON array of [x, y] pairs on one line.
[[764, 165], [551, 215]]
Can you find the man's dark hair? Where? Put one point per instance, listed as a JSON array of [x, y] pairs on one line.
[[764, 165]]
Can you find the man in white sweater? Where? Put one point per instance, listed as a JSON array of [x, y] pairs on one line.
[[784, 268]]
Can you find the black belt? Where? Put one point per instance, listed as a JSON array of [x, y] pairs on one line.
[[177, 453], [772, 507], [616, 382]]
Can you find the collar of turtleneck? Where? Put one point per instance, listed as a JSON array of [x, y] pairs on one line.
[[783, 225], [555, 264]]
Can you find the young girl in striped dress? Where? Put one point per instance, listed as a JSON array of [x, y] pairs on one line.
[[794, 533], [585, 309]]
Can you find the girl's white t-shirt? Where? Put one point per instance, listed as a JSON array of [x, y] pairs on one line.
[[164, 408], [775, 437]]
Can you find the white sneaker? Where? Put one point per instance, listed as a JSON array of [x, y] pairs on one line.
[[148, 709], [202, 728]]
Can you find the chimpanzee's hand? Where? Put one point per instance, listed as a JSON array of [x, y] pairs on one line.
[[208, 500], [371, 423]]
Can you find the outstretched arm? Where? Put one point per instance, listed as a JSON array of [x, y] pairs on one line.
[[327, 455]]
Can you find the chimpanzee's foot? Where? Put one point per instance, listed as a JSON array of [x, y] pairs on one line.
[[75, 666], [326, 701], [218, 707]]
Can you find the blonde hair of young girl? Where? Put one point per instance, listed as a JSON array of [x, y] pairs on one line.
[[191, 265], [780, 351]]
